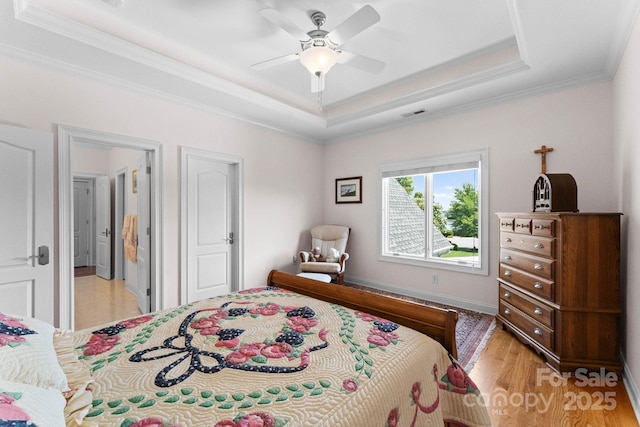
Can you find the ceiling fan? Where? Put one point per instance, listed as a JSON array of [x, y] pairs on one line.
[[321, 49]]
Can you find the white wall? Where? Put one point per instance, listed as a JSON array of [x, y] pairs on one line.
[[577, 123], [627, 146], [278, 203], [86, 160]]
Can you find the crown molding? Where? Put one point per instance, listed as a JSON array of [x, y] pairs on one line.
[[28, 56], [475, 106], [626, 20], [423, 95], [518, 30], [352, 118], [28, 12]]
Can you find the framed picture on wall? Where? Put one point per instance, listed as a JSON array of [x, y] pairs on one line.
[[349, 190], [134, 181]]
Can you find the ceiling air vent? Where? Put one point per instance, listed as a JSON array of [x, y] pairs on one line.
[[414, 113]]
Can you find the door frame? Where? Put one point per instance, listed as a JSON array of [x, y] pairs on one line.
[[237, 170], [67, 136], [120, 207]]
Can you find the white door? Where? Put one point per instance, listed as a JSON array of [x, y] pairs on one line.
[[210, 231], [80, 223], [26, 223], [143, 287], [103, 227]]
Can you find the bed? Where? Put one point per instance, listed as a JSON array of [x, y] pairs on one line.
[[291, 353]]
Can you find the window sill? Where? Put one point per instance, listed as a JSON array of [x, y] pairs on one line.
[[457, 266]]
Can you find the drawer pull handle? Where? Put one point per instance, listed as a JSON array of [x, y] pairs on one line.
[[507, 258], [508, 240], [538, 246], [507, 294], [507, 273], [537, 331], [537, 285], [537, 311], [507, 311], [537, 266]]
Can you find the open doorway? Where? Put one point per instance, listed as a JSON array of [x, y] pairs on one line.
[[116, 160], [106, 282]]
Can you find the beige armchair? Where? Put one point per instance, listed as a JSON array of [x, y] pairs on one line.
[[328, 254]]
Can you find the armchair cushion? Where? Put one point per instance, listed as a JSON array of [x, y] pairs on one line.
[[320, 267]]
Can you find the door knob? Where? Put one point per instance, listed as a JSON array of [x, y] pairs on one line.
[[229, 239], [43, 255]]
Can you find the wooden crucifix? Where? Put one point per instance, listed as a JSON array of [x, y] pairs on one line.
[[543, 152]]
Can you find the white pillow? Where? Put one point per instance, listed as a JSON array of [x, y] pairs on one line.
[[333, 256], [27, 354], [24, 402]]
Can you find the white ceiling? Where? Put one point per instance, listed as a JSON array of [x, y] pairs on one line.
[[442, 56]]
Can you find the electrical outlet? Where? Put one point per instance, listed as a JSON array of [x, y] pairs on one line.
[[295, 259], [434, 279]]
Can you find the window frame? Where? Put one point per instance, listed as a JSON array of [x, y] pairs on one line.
[[438, 163]]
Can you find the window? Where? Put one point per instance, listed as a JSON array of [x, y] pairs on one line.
[[434, 212]]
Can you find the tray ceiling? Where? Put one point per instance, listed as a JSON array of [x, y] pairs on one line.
[[441, 56]]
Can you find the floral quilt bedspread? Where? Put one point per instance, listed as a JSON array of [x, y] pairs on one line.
[[270, 357]]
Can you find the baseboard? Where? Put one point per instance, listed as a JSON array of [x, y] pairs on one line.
[[131, 287], [631, 386], [439, 298]]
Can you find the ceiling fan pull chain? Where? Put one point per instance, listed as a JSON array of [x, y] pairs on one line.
[[319, 91]]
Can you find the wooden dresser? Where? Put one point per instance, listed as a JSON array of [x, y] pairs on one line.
[[559, 286]]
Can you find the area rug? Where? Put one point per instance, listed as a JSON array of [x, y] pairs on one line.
[[472, 330]]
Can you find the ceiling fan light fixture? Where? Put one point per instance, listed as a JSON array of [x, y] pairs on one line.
[[318, 59]]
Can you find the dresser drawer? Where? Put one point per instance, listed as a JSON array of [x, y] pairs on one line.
[[535, 309], [522, 226], [506, 224], [544, 246], [540, 267], [543, 227], [533, 329], [537, 286]]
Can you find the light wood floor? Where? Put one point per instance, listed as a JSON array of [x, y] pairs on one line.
[[520, 390], [98, 301]]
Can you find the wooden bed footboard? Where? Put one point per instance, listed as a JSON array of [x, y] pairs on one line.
[[438, 323]]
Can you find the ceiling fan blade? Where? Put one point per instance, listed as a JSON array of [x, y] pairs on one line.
[[355, 24], [275, 61], [364, 63], [285, 23]]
